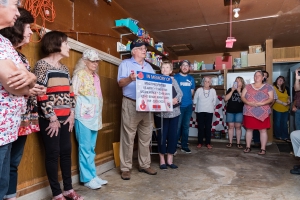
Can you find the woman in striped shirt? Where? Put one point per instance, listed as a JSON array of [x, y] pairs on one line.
[[56, 112]]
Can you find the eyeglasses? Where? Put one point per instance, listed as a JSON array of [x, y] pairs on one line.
[[95, 62], [141, 48]]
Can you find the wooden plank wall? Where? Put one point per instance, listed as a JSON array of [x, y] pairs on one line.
[[32, 173], [94, 18], [286, 52]]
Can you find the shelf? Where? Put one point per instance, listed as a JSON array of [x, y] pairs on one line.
[[262, 67], [124, 52], [151, 48], [127, 33], [283, 60], [155, 67], [125, 30], [221, 71], [207, 71]]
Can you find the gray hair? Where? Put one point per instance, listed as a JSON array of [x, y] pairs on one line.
[[5, 2], [203, 80], [80, 65]]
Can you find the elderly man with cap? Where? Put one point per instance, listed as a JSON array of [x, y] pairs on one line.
[[187, 85], [88, 115], [133, 121]]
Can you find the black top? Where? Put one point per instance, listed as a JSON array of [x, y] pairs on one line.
[[235, 103]]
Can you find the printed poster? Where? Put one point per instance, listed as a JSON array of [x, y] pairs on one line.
[[153, 92]]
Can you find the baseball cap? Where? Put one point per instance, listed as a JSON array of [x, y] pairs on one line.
[[91, 55], [185, 61], [137, 43]]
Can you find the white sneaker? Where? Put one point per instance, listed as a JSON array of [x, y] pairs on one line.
[[100, 181], [92, 184]]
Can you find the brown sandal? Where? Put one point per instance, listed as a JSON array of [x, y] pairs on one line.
[[262, 152], [239, 146], [229, 145], [247, 150]]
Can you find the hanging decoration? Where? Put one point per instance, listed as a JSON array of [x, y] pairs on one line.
[[42, 8], [230, 40]]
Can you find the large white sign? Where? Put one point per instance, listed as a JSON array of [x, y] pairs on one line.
[[153, 92]]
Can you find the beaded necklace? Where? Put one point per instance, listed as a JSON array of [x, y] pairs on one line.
[[206, 95]]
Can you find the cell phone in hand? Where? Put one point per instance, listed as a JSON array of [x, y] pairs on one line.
[[235, 84], [299, 73]]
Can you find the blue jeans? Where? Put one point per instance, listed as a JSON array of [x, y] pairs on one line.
[[280, 120], [87, 141], [169, 134], [297, 119], [184, 125], [16, 154], [4, 168]]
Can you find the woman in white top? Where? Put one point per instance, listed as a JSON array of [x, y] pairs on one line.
[[205, 100]]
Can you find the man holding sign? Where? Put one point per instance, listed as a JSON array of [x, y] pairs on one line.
[[133, 121]]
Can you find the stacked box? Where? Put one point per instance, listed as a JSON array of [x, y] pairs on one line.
[[209, 66], [223, 62], [256, 59], [244, 59], [255, 49]]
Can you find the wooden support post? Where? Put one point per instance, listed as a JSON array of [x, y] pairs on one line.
[[269, 68]]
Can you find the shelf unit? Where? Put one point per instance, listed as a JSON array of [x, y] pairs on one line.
[[221, 89], [128, 34]]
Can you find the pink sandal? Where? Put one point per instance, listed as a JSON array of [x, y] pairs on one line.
[[72, 195]]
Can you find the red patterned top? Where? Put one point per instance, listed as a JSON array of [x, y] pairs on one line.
[[257, 95], [11, 106]]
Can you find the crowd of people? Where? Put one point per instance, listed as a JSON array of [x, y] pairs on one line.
[[44, 100], [48, 100]]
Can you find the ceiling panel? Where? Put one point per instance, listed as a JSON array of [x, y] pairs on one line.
[[205, 23]]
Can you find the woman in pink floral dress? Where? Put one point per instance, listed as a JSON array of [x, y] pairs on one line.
[[29, 120], [15, 82], [257, 98]]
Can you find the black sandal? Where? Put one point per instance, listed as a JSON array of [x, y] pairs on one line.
[[239, 146], [247, 150], [287, 140], [229, 145], [262, 152]]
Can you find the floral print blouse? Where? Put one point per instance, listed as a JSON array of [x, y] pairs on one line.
[[11, 106]]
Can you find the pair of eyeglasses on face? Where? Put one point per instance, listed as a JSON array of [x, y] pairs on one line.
[[95, 62], [141, 48]]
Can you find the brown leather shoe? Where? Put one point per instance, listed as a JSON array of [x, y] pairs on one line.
[[149, 171], [125, 175]]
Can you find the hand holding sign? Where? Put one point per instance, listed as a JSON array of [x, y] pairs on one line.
[[132, 76]]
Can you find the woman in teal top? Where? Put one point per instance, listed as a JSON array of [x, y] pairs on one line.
[[88, 115]]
